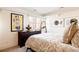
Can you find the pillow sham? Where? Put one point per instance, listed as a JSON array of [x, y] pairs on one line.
[[70, 33], [75, 40]]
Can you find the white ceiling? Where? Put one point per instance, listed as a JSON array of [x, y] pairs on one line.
[[50, 10], [37, 10], [43, 10]]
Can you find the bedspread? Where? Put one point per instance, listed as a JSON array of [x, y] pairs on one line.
[[48, 43]]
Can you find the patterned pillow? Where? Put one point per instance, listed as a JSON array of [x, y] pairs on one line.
[[70, 33], [75, 40]]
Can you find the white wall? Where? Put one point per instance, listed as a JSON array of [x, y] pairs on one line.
[[8, 38], [52, 28], [65, 15], [23, 11]]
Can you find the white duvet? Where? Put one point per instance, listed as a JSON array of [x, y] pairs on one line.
[[48, 42], [49, 37]]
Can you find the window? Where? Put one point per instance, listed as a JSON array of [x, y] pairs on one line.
[[35, 23]]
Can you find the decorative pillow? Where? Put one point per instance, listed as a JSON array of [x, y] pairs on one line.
[[75, 40], [70, 33]]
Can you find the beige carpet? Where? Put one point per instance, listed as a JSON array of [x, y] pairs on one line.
[[15, 49]]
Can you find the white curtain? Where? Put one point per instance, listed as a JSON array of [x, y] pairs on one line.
[[35, 23]]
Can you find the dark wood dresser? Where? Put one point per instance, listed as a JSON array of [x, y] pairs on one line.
[[23, 36]]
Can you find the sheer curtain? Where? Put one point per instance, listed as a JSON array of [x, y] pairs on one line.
[[35, 23], [38, 23]]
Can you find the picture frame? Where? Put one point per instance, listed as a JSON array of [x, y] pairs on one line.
[[59, 22], [16, 22]]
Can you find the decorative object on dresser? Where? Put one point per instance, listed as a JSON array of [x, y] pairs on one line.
[[28, 28], [23, 36]]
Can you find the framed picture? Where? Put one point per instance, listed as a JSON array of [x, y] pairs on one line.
[[59, 22], [16, 22]]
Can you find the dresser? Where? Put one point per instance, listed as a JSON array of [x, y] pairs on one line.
[[23, 36]]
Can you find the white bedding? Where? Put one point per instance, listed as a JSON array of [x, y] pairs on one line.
[[48, 42], [49, 37]]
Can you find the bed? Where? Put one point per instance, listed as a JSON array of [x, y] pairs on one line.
[[48, 42]]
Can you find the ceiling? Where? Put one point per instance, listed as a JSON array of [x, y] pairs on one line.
[[37, 10], [50, 10], [43, 10]]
